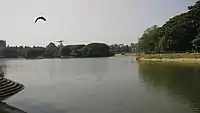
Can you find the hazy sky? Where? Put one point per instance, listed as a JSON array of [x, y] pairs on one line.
[[83, 21]]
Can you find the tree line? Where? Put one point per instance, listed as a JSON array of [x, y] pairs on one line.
[[179, 34], [53, 51], [123, 48]]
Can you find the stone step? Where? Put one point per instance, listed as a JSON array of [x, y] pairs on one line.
[[3, 80], [12, 92], [6, 82], [7, 85], [18, 86], [8, 88]]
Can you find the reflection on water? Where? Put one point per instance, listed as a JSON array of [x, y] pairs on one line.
[[73, 85], [102, 85], [179, 81]]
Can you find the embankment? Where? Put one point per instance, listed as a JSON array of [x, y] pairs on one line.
[[177, 57]]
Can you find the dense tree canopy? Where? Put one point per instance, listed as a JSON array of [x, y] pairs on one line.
[[51, 51], [76, 50], [120, 48], [180, 33], [96, 50], [65, 51], [10, 52], [35, 52], [150, 39]]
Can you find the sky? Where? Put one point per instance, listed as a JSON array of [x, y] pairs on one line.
[[83, 21]]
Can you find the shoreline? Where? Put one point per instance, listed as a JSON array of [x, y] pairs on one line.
[[182, 58]]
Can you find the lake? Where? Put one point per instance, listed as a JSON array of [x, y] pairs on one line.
[[103, 85]]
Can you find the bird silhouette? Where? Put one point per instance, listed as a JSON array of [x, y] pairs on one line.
[[41, 17]]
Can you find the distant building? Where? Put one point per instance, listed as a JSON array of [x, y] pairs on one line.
[[2, 46]]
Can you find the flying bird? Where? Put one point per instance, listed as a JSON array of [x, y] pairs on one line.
[[40, 18]]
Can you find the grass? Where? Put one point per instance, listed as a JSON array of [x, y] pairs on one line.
[[177, 57], [169, 56]]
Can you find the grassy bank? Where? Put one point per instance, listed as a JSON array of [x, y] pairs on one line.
[[181, 57]]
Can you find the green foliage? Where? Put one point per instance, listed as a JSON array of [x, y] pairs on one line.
[[177, 34], [196, 6], [150, 39], [10, 52], [196, 43], [34, 52], [96, 50], [120, 48], [51, 51], [75, 47], [76, 50], [65, 51]]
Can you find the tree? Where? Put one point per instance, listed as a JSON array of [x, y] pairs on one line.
[[35, 52], [65, 51], [119, 48], [150, 39], [10, 52], [51, 51], [96, 50], [194, 7], [133, 47], [177, 34]]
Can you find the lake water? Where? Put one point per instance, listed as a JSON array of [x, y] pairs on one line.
[[103, 85]]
